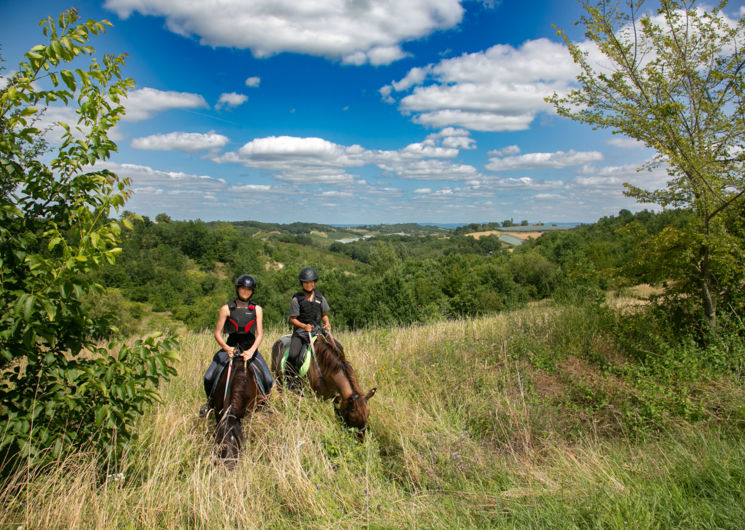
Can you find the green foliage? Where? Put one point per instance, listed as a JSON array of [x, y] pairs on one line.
[[675, 84], [60, 390]]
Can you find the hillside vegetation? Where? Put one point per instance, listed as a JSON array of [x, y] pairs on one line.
[[541, 417]]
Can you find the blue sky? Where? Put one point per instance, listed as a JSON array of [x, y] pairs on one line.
[[350, 111]]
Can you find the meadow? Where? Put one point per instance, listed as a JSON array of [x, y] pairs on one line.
[[534, 418]]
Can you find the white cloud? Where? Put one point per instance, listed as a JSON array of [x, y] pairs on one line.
[[143, 103], [505, 151], [230, 100], [624, 142], [454, 138], [500, 89], [355, 31], [523, 183], [251, 187], [181, 141], [559, 159], [613, 177], [295, 159], [253, 82]]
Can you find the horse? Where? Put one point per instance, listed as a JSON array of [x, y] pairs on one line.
[[243, 396], [331, 376]]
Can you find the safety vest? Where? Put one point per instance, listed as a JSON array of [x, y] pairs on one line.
[[241, 325], [310, 312]]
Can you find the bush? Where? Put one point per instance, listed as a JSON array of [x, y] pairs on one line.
[[60, 391]]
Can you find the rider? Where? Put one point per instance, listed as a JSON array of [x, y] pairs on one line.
[[242, 321], [308, 309]]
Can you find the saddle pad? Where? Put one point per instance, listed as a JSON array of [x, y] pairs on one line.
[[308, 352]]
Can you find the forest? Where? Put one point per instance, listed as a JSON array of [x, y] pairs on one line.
[[396, 275]]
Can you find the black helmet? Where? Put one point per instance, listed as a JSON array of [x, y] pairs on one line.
[[308, 275], [245, 280]]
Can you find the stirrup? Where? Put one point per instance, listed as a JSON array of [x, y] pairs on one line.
[[204, 410]]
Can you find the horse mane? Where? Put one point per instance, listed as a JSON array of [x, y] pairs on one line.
[[331, 360]]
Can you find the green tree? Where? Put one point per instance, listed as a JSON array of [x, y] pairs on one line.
[[59, 389], [676, 84]]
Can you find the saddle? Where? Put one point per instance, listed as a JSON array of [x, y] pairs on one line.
[[304, 359]]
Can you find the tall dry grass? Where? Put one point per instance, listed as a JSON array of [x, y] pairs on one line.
[[462, 434]]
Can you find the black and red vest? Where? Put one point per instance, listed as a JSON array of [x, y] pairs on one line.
[[241, 325]]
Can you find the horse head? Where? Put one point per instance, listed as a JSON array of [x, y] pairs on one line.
[[237, 394], [354, 412]]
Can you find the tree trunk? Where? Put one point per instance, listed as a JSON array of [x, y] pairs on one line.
[[706, 282]]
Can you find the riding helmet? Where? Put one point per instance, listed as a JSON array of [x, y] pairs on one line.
[[308, 275], [245, 280]]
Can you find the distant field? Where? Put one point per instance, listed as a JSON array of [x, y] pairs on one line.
[[521, 235]]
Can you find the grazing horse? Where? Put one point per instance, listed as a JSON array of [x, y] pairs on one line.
[[331, 376], [243, 396]]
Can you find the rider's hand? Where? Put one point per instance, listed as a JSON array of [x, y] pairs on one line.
[[248, 355], [230, 351], [309, 328], [327, 326]]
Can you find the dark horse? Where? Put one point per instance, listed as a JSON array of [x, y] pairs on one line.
[[331, 376], [243, 396]]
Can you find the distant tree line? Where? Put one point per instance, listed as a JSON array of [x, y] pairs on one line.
[[187, 268]]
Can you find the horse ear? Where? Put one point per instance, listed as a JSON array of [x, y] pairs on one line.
[[370, 394]]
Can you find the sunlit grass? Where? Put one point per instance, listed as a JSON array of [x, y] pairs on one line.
[[476, 423]]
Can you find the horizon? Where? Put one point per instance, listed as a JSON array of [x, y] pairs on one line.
[[238, 114]]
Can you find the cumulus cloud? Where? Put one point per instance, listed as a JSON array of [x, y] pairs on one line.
[[500, 89], [355, 32], [559, 159], [143, 103], [623, 142], [181, 141], [613, 177], [505, 151], [230, 100], [295, 159], [253, 82]]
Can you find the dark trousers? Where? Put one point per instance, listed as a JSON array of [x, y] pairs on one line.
[[220, 361], [297, 343]]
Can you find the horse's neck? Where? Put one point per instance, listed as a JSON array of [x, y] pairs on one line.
[[244, 390], [343, 382]]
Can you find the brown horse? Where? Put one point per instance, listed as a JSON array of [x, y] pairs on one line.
[[243, 397], [331, 376]]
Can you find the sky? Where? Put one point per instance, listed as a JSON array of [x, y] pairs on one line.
[[350, 111]]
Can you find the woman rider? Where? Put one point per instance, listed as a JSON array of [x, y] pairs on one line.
[[308, 309], [242, 321]]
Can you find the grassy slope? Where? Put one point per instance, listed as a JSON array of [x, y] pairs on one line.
[[502, 421]]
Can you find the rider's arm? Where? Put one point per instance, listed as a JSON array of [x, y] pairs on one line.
[[294, 313], [259, 334], [325, 318], [222, 317], [295, 322]]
